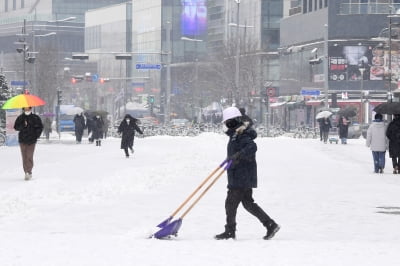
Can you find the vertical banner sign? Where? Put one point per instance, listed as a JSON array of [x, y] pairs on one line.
[[12, 135], [194, 18]]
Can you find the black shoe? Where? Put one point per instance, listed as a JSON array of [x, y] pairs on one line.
[[226, 235], [380, 170], [272, 229]]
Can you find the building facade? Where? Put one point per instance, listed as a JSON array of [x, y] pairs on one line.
[[343, 54]]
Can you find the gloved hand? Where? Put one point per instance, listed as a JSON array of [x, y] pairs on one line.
[[234, 157]]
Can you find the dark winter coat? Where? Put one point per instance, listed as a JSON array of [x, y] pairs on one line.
[[343, 127], [243, 171], [79, 121], [97, 128], [30, 128], [393, 134], [325, 124], [128, 132]]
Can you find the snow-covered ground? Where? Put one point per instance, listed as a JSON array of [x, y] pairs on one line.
[[90, 205]]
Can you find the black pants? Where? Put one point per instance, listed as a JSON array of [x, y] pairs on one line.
[[395, 162], [244, 196]]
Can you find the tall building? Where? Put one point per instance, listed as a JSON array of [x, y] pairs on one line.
[[341, 49], [64, 17]]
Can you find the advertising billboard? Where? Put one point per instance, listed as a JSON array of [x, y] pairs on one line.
[[194, 18], [350, 62]]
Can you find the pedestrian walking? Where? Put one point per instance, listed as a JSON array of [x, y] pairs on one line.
[[127, 128], [325, 126], [393, 134], [242, 175], [97, 129], [30, 128], [47, 127], [378, 142], [80, 125], [343, 125], [89, 125]]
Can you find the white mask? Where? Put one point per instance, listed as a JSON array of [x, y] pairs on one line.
[[128, 120], [28, 112]]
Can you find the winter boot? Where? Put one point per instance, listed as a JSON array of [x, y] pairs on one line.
[[229, 233], [99, 142], [272, 229]]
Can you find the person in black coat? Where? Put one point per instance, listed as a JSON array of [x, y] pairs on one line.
[[30, 128], [393, 134], [325, 126], [127, 128], [242, 175], [80, 125], [343, 125], [97, 129], [89, 125]]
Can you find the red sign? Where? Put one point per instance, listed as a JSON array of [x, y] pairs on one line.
[[271, 92]]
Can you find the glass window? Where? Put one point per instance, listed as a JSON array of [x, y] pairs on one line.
[[309, 5], [6, 5], [326, 3], [305, 6], [320, 4]]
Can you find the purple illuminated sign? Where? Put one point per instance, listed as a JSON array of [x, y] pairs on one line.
[[194, 17]]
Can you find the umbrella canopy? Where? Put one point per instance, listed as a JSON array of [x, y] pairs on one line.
[[348, 111], [392, 108], [323, 114], [74, 110], [23, 100]]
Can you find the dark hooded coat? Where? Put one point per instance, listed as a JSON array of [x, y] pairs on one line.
[[97, 127], [393, 134], [128, 131], [30, 128], [243, 171]]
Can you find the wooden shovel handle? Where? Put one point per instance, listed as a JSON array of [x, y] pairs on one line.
[[198, 188], [206, 189]]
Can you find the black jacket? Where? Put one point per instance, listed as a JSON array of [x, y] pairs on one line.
[[325, 124], [79, 121], [97, 127], [128, 131], [243, 172], [343, 128], [30, 128], [393, 134]]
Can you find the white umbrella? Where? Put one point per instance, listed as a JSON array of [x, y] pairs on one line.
[[74, 110], [323, 114]]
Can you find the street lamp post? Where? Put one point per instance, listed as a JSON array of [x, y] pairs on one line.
[[326, 65], [35, 52], [362, 69], [167, 110], [196, 72], [236, 97]]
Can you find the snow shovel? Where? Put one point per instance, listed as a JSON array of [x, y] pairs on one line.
[[171, 228], [168, 220]]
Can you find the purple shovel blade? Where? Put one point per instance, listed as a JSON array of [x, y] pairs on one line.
[[165, 222], [171, 229]]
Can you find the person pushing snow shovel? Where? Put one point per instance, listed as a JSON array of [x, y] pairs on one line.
[[242, 175]]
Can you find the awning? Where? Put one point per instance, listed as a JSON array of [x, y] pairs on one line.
[[314, 102], [275, 105]]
